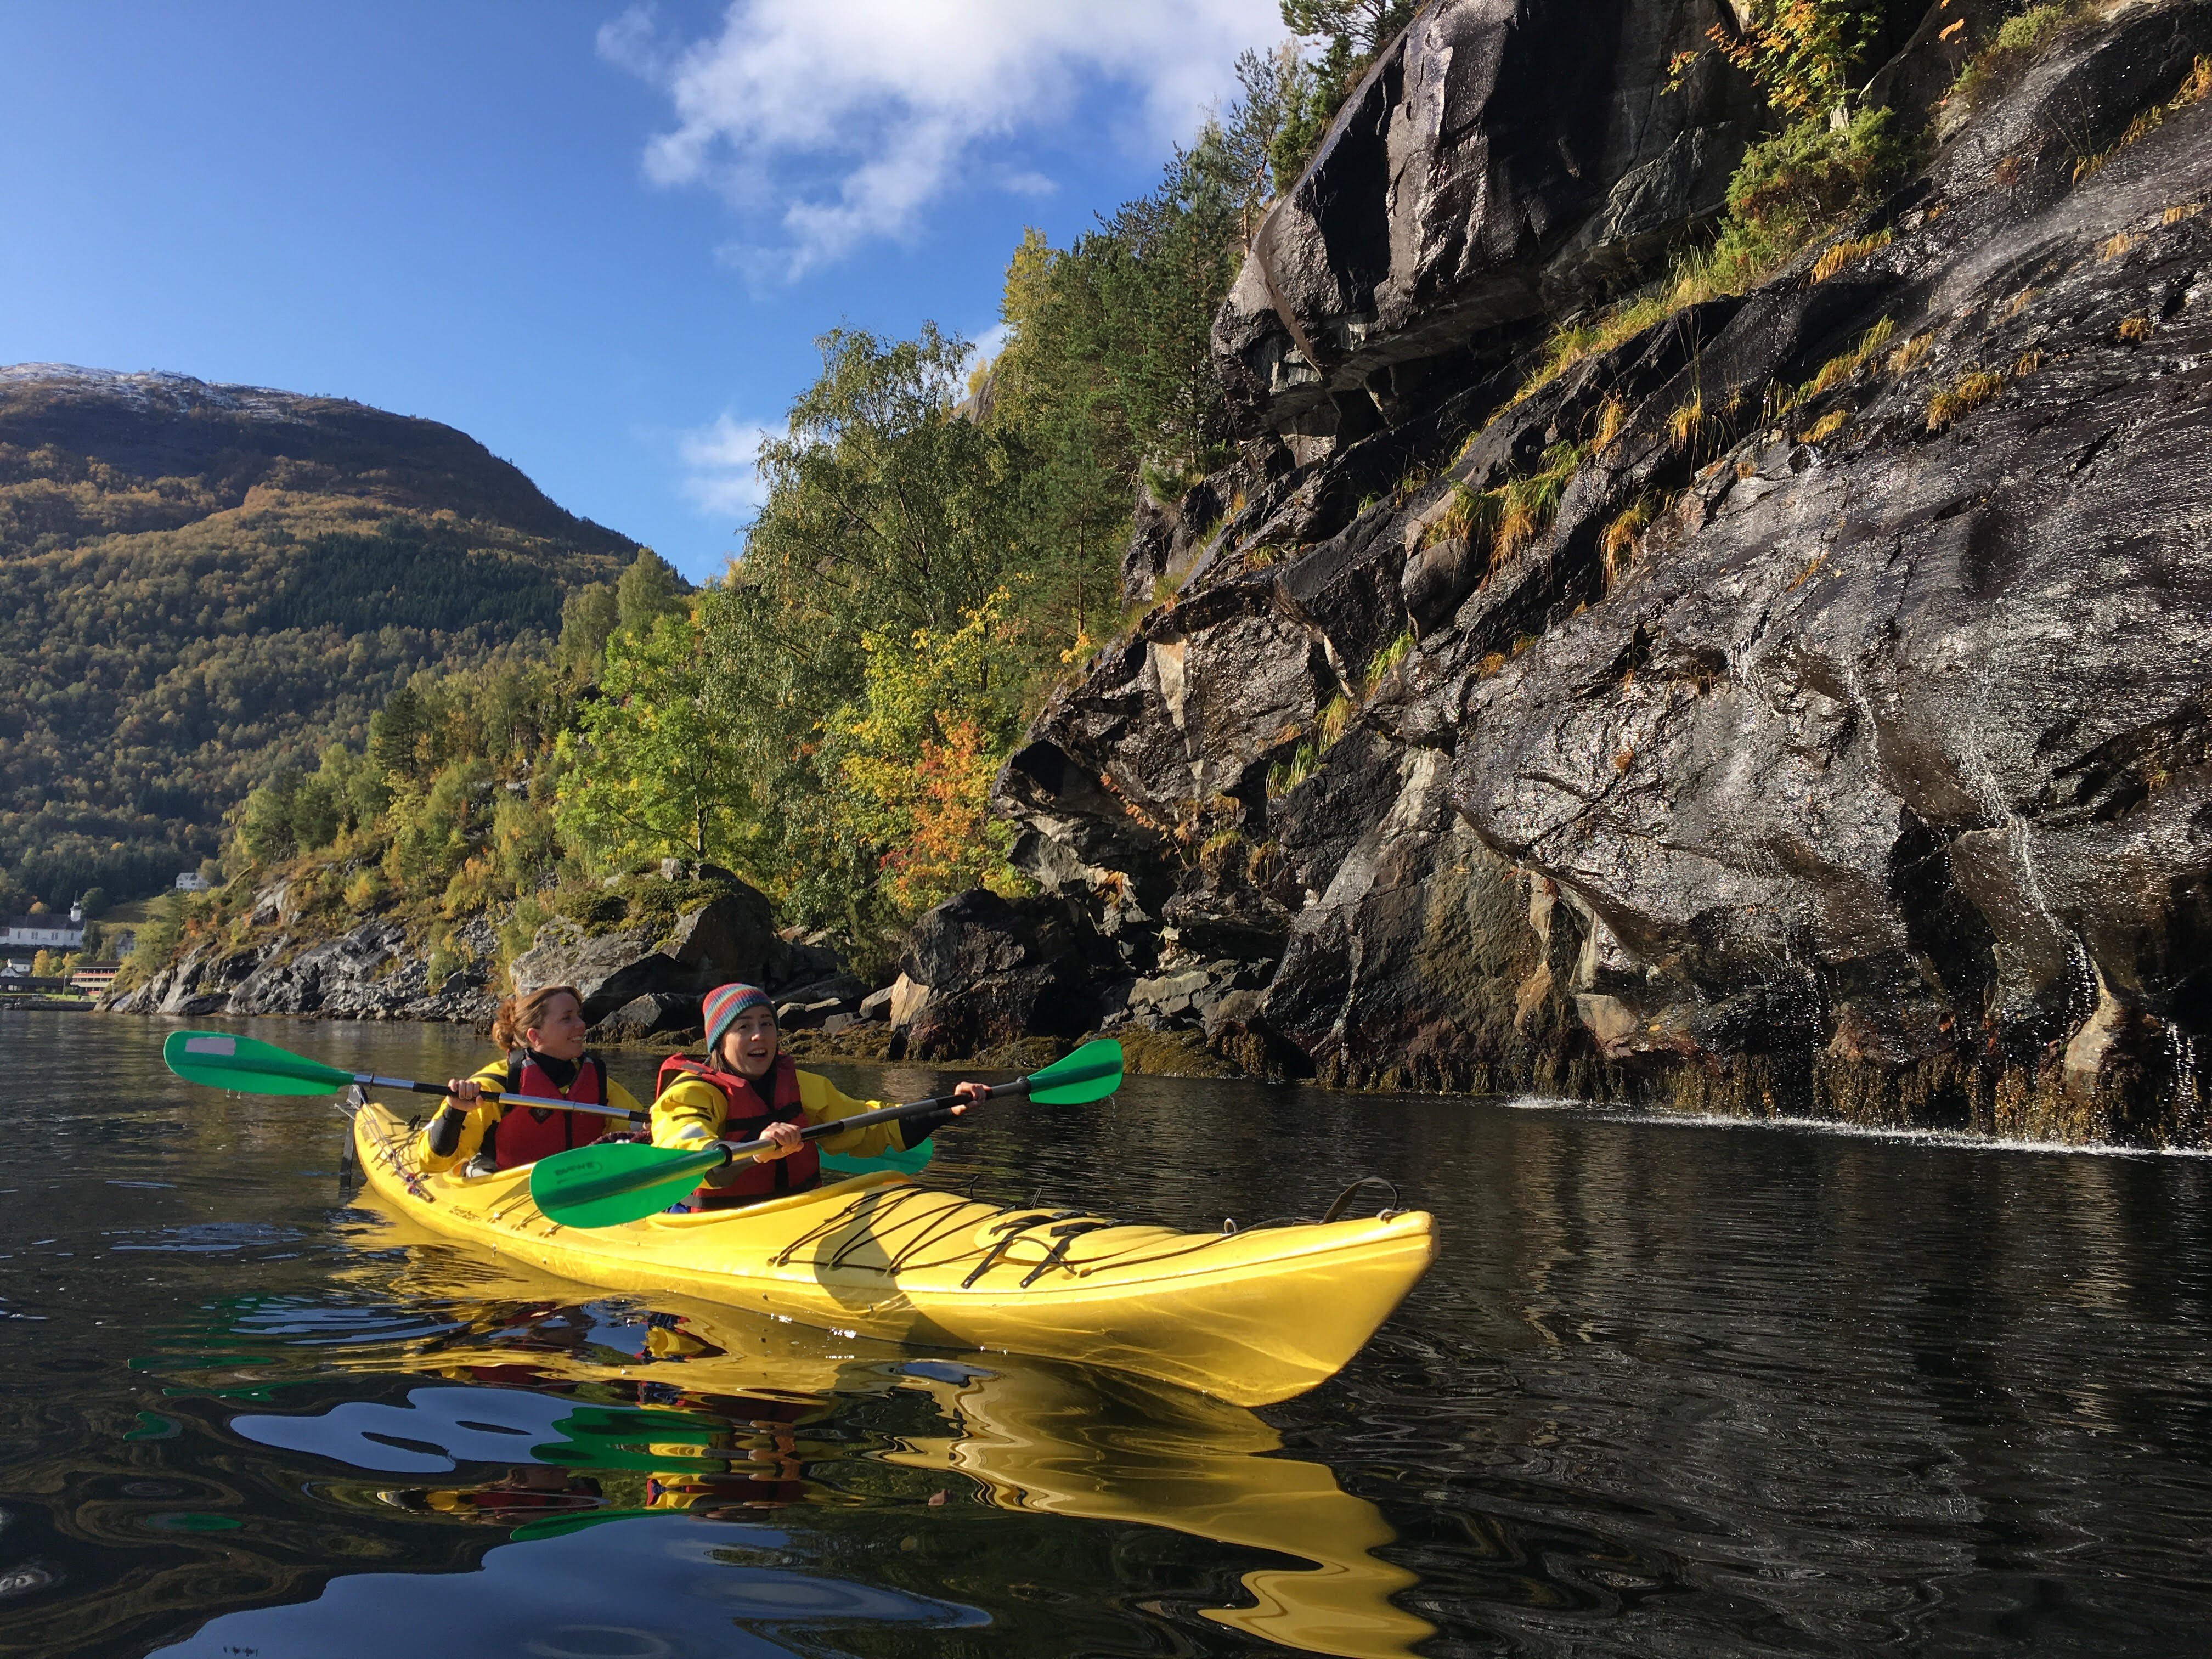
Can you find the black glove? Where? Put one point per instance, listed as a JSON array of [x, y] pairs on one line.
[[443, 1134], [913, 1131]]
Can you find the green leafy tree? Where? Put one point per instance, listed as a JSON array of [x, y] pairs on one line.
[[647, 590], [886, 507], [587, 616], [1365, 26], [265, 826], [915, 755], [397, 734], [657, 761], [1229, 161], [156, 938], [436, 832]]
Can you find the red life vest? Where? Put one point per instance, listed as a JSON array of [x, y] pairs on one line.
[[526, 1134], [744, 1114]]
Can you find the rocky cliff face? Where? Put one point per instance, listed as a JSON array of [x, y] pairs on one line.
[[1831, 736]]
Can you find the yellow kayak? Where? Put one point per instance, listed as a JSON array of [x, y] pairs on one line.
[[1250, 1317]]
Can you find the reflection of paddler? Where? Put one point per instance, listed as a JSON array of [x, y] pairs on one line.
[[532, 1333], [777, 1480], [667, 1338], [759, 1454], [527, 1491]]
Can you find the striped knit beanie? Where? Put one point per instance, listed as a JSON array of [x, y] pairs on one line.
[[724, 1004]]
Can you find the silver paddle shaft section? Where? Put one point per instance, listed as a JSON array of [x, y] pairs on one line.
[[837, 1125], [368, 1080]]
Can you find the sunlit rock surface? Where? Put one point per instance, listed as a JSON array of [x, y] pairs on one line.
[[1848, 757]]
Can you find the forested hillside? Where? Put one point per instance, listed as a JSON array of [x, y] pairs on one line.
[[942, 543], [198, 583]]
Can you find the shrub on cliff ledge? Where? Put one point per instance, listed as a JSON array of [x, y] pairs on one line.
[[1792, 186], [1801, 52]]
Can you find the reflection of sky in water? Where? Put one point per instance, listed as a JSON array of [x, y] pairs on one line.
[[555, 1599], [441, 1428], [435, 1431], [201, 1238]]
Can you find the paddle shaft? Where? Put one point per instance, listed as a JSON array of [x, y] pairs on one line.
[[837, 1125], [607, 1184], [412, 1087]]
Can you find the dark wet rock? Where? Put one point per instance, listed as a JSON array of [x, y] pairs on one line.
[[654, 1014], [981, 971], [605, 969], [799, 961], [729, 937], [1496, 164], [377, 969], [1192, 993], [814, 1005], [1166, 541], [1193, 711], [1852, 758], [372, 971]]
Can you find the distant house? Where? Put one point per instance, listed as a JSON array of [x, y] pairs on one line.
[[48, 933], [93, 980], [191, 881]]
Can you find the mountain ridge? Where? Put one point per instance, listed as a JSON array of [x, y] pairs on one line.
[[200, 582]]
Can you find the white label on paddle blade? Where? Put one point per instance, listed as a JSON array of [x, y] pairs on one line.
[[226, 1046]]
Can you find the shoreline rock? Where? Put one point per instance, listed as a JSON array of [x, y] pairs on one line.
[[637, 982]]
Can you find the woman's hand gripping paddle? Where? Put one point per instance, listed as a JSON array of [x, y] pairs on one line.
[[604, 1186], [217, 1060]]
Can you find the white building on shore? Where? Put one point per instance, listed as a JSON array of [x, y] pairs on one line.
[[47, 933]]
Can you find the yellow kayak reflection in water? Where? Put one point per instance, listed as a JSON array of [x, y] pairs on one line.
[[732, 1410]]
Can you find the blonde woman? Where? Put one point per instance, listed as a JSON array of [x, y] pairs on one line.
[[542, 1037]]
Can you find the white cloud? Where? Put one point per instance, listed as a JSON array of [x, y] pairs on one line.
[[847, 119], [985, 346], [721, 473]]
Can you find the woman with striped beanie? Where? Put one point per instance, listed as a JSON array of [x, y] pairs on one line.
[[746, 1090]]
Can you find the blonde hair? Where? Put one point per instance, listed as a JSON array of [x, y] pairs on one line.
[[518, 1014]]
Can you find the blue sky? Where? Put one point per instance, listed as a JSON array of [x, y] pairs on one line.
[[599, 237]]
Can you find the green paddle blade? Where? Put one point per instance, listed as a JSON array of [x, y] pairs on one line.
[[217, 1060], [605, 1185], [907, 1160], [1092, 1072]]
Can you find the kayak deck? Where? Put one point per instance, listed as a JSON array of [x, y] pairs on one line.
[[1251, 1317]]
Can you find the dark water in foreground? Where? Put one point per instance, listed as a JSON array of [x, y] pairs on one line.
[[1672, 1389]]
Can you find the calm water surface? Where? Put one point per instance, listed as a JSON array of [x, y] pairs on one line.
[[1671, 1389]]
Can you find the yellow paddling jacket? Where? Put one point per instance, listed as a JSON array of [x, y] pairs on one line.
[[690, 1110], [479, 1122]]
